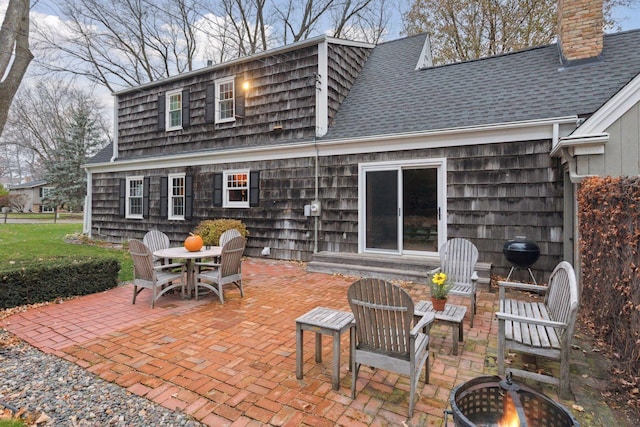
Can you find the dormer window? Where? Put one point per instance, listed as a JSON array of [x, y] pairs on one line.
[[174, 110], [225, 100]]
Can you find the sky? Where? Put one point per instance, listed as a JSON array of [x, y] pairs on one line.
[[629, 17]]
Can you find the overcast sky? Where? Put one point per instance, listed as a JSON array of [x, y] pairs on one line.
[[628, 18]]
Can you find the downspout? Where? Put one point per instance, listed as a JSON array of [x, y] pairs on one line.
[[322, 118], [572, 163], [86, 226], [316, 218], [114, 155]]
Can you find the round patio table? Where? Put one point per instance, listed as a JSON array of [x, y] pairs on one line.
[[189, 256]]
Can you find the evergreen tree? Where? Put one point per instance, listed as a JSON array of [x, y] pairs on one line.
[[64, 170]]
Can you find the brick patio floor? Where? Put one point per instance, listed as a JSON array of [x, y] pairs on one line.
[[234, 364]]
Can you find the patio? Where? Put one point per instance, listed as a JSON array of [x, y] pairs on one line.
[[236, 364]]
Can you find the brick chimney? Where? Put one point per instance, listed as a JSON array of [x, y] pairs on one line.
[[580, 29]]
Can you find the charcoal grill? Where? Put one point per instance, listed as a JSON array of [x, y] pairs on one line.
[[521, 253], [493, 401]]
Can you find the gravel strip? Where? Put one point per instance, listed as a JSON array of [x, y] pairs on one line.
[[61, 393]]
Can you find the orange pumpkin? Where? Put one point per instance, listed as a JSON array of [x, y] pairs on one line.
[[193, 243]]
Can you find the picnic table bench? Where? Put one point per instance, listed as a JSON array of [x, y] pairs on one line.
[[542, 328]]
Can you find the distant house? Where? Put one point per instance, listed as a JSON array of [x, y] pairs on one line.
[[340, 148], [29, 196]]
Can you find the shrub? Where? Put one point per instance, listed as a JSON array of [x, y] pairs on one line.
[[609, 221], [42, 281], [211, 229]]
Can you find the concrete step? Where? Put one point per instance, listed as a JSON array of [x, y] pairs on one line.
[[387, 267]]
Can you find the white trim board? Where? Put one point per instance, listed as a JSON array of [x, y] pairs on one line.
[[490, 134]]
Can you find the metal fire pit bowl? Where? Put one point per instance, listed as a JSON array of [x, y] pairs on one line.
[[480, 402]]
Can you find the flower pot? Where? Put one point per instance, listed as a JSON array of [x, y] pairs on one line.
[[438, 303]]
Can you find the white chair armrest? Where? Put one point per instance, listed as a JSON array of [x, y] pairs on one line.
[[168, 266], [529, 320], [425, 322], [502, 285]]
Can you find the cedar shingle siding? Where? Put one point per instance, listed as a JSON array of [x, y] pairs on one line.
[[501, 127]]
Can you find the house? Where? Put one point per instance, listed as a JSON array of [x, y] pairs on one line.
[[27, 197], [338, 150]]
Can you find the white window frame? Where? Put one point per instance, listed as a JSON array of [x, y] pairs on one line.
[[398, 165], [172, 198], [168, 110], [129, 196], [226, 189], [45, 193], [219, 100]]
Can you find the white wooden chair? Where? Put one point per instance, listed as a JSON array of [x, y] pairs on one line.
[[386, 339], [226, 272], [228, 235], [155, 240], [540, 328], [458, 258], [160, 279]]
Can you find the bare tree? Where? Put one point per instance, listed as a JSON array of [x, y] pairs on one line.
[[56, 103], [122, 43], [15, 55], [246, 28], [364, 20], [467, 29]]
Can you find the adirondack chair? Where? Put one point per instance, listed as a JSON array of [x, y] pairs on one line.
[[228, 235], [226, 272], [540, 328], [224, 238], [160, 279], [458, 259], [385, 337], [154, 240]]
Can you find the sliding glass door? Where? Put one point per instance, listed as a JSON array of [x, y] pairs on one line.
[[402, 206]]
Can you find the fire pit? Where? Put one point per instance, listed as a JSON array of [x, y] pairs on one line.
[[521, 253], [496, 402]]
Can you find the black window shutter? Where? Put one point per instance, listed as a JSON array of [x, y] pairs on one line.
[[237, 87], [210, 104], [161, 112], [254, 189], [188, 197], [186, 115], [217, 189], [164, 197], [145, 197], [122, 198], [41, 191]]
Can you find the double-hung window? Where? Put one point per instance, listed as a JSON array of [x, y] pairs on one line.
[[44, 193], [225, 99], [176, 196], [236, 188], [174, 110], [134, 197]]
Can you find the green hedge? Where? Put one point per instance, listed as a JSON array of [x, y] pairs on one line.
[[46, 280]]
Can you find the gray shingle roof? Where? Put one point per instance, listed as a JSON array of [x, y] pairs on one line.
[[102, 156], [30, 184], [391, 97]]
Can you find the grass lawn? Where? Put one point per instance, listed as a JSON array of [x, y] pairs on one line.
[[26, 242]]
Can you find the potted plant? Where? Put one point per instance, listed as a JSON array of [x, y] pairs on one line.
[[439, 290]]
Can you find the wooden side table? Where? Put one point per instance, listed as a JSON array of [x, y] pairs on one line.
[[322, 320], [452, 315]]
